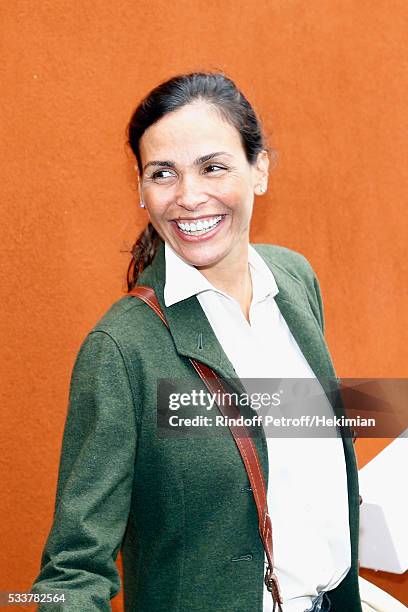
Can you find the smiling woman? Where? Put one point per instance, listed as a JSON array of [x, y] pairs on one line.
[[201, 185], [190, 514], [200, 166]]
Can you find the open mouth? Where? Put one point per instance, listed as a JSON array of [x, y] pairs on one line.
[[200, 227]]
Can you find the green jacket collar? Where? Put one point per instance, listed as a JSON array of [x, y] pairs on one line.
[[187, 315]]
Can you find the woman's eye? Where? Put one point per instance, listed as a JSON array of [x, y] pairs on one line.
[[214, 168], [162, 174]]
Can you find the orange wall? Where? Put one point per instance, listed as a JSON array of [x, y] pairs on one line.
[[328, 79]]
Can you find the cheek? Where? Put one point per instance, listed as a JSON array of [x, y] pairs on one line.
[[238, 197], [239, 187], [232, 192], [157, 201]]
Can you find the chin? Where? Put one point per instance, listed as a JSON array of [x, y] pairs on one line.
[[205, 259]]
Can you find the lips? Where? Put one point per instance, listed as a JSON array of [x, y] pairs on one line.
[[200, 237]]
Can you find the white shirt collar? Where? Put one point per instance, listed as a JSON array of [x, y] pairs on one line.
[[184, 280]]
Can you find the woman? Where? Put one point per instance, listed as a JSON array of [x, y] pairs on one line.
[[180, 507]]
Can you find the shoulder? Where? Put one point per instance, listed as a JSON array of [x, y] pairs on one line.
[[119, 347], [122, 332], [120, 315], [286, 259], [127, 315]]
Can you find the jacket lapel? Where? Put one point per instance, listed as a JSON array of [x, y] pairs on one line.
[[187, 322], [295, 308], [194, 337]]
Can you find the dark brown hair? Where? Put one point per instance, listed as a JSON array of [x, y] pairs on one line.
[[212, 87]]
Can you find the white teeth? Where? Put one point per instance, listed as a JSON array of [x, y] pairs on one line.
[[200, 225]]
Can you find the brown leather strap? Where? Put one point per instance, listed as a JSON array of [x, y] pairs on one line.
[[245, 446]]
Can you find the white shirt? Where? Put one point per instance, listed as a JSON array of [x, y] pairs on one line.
[[307, 484]]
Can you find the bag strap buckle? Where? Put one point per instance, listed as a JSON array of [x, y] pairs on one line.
[[271, 582]]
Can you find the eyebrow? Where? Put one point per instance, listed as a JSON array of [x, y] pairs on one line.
[[197, 162]]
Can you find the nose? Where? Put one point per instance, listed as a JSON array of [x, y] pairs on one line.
[[190, 192]]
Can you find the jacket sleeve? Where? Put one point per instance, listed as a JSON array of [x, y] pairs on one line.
[[94, 485]]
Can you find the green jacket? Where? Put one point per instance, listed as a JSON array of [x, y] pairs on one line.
[[178, 507]]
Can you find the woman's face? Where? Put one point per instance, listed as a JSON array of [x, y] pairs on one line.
[[197, 185]]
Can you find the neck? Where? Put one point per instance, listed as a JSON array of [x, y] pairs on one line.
[[232, 276]]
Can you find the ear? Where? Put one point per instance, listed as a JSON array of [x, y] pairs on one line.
[[138, 182], [261, 168], [139, 188]]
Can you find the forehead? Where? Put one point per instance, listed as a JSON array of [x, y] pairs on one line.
[[193, 130]]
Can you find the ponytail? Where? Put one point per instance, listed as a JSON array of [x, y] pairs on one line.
[[143, 252]]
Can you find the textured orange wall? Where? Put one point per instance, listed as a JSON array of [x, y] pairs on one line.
[[329, 80]]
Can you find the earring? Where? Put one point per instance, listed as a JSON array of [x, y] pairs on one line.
[[142, 204], [260, 189]]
